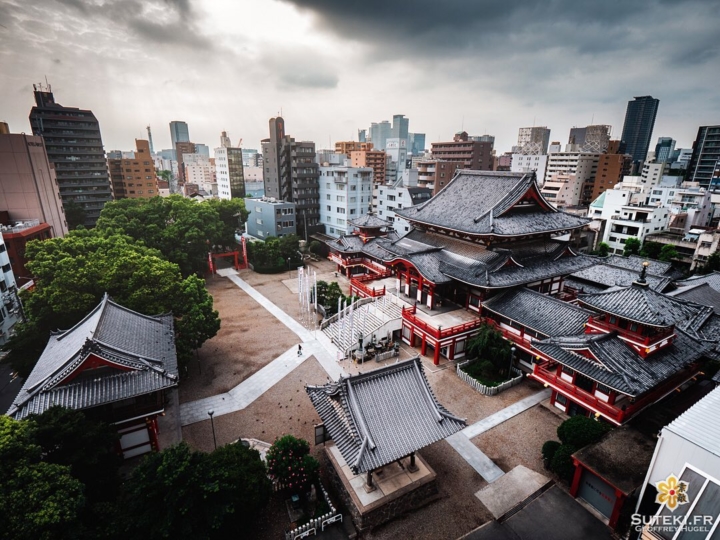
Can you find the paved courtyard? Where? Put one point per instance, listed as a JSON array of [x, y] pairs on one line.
[[255, 383]]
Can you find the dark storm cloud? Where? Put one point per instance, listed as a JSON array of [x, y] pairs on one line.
[[433, 28]]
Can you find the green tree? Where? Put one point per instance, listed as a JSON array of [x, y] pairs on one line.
[[73, 273], [67, 437], [579, 431], [290, 463], [232, 215], [668, 253], [179, 493], [165, 175], [38, 500], [632, 247], [651, 250], [182, 229], [712, 264], [489, 344], [603, 249], [562, 463], [74, 214]]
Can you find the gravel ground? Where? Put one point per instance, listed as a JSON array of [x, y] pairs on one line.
[[249, 338], [519, 441]]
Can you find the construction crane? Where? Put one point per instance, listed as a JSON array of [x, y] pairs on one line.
[[152, 150]]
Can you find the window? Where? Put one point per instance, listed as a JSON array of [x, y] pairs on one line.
[[6, 268], [352, 210], [327, 196], [340, 210], [329, 208], [258, 221], [2, 248], [560, 399]]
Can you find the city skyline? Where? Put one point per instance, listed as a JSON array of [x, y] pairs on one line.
[[232, 65]]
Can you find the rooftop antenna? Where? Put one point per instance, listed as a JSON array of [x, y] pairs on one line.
[[47, 84], [592, 121]]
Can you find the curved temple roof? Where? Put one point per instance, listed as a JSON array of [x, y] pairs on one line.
[[378, 417], [499, 204]]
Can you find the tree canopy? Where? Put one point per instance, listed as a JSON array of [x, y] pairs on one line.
[[73, 273], [632, 247], [668, 253], [182, 229], [75, 214], [183, 494], [712, 264], [275, 255]]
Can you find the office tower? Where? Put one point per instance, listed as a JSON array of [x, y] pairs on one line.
[[229, 170], [362, 135], [28, 187], [400, 127], [417, 144], [202, 149], [532, 141], [74, 147], [290, 174], [638, 126], [705, 156], [664, 150], [134, 178], [182, 148], [592, 139], [379, 133], [475, 155], [179, 132]]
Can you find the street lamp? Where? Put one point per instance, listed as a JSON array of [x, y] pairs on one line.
[[210, 414], [289, 274], [512, 358]]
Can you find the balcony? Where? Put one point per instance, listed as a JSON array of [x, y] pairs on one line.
[[409, 314]]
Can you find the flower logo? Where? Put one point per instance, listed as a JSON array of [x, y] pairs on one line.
[[672, 492]]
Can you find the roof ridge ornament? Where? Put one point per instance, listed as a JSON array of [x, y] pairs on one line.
[[641, 281]]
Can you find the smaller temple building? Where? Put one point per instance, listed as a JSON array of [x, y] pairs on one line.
[[378, 421], [115, 365]]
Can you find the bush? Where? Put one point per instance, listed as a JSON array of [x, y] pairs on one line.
[[580, 431], [484, 372], [290, 463], [549, 449], [562, 464], [490, 345]]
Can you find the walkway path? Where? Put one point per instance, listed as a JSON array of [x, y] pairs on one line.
[[260, 382], [475, 457]]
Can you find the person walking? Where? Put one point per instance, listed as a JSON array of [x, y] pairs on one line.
[[299, 350]]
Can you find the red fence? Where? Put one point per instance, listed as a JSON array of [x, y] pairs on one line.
[[409, 314]]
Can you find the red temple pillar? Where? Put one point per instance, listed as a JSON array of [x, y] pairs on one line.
[[436, 356], [431, 295], [423, 347], [575, 486]]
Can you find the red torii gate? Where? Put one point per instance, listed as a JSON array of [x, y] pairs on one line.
[[212, 267]]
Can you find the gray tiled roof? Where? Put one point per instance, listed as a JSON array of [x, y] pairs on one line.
[[369, 220], [712, 279], [539, 312], [136, 342], [582, 286], [618, 366], [609, 276], [702, 294], [481, 203], [635, 263], [349, 243], [646, 306], [378, 417]]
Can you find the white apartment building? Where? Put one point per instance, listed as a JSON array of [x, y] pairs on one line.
[[696, 203], [392, 198], [200, 171], [582, 165], [562, 189], [530, 162], [652, 173], [345, 194], [625, 220]]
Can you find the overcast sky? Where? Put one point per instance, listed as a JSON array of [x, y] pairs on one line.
[[333, 66]]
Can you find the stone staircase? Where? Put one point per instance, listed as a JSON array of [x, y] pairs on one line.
[[370, 317]]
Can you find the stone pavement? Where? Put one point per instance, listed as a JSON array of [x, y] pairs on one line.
[[256, 385], [475, 457]]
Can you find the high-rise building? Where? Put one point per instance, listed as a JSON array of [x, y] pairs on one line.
[[375, 159], [571, 173], [229, 170], [417, 144], [181, 149], [665, 150], [362, 135], [532, 141], [134, 178], [400, 127], [435, 174], [379, 133], [705, 156], [594, 139], [345, 194], [28, 186], [74, 147], [179, 132], [638, 126], [475, 155], [291, 174], [611, 169], [346, 147]]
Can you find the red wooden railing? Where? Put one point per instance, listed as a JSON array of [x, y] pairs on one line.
[[409, 314], [635, 336], [357, 286]]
